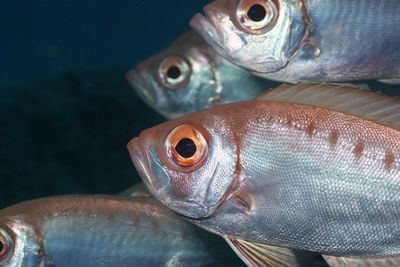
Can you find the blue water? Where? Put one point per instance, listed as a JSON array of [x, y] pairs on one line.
[[66, 110], [41, 39]]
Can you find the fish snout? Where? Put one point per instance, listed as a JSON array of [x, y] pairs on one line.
[[210, 26], [139, 159], [141, 86]]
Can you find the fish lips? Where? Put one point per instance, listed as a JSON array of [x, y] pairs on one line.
[[140, 160], [205, 26], [139, 83]]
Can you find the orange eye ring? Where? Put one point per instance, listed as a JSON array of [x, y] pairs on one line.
[[186, 146], [6, 246], [257, 16]]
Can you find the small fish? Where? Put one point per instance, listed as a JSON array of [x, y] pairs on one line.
[[105, 231], [189, 76], [308, 166], [304, 40]]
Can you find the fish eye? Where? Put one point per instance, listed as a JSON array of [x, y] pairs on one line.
[[6, 246], [256, 16], [186, 146], [174, 72]]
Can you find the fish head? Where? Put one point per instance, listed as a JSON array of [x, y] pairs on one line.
[[189, 163], [18, 243], [258, 35], [178, 80]]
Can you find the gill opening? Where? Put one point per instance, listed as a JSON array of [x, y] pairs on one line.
[[234, 186], [216, 98]]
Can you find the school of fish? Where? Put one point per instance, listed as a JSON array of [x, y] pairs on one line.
[[248, 171]]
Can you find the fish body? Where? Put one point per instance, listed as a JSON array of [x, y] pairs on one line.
[[105, 231], [306, 40], [313, 167], [189, 75]]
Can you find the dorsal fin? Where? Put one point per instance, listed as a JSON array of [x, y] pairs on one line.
[[262, 255], [360, 103], [349, 262]]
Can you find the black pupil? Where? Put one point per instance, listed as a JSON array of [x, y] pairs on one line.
[[2, 246], [174, 72], [186, 148], [257, 13]]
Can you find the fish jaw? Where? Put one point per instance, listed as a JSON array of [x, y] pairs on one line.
[[139, 83], [208, 31], [223, 38], [139, 160]]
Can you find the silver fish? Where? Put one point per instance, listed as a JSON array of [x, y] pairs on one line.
[[105, 231], [306, 40], [189, 76], [272, 256], [310, 166]]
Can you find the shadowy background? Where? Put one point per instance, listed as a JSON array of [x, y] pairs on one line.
[[66, 110]]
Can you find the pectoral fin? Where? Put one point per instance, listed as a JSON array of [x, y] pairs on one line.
[[350, 262], [257, 255]]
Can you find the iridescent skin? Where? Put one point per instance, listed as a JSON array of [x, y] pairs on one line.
[[284, 174], [108, 231], [312, 40], [213, 80]]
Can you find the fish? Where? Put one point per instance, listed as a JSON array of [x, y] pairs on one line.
[[306, 40], [273, 256], [313, 167], [103, 230], [189, 76]]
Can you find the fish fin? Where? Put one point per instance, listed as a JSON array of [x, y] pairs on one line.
[[245, 200], [390, 81], [257, 254], [361, 103], [350, 262], [138, 190]]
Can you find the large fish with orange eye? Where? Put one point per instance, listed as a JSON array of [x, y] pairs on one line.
[[306, 40], [309, 166]]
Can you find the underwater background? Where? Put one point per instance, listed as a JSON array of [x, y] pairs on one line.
[[66, 109]]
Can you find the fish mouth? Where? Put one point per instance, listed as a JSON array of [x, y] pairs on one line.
[[208, 29], [140, 161], [207, 26], [138, 82]]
